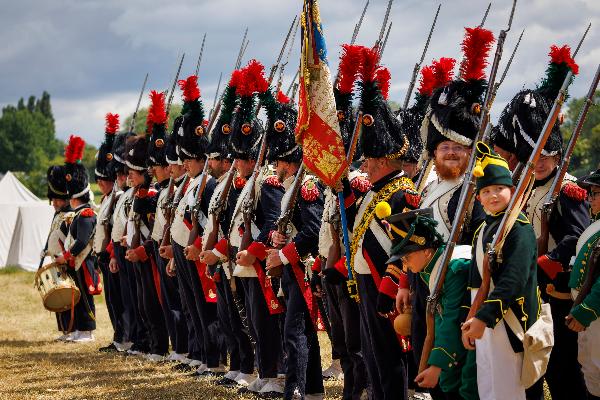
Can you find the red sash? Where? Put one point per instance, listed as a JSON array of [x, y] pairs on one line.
[[268, 293], [306, 293], [208, 285]]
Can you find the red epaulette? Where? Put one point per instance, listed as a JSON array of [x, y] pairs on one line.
[[361, 184], [413, 198], [239, 182], [574, 192], [309, 191], [87, 212], [273, 181]]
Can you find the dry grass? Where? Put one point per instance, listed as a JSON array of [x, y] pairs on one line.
[[34, 366]]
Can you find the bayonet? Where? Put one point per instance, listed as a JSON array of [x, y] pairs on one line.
[[358, 25], [216, 95], [137, 107], [172, 93], [200, 55], [385, 21], [387, 35], [487, 11]]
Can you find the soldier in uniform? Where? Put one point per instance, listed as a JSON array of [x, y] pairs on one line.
[[139, 226], [585, 289], [78, 250], [342, 309], [521, 123], [234, 312], [106, 182], [134, 326], [59, 198], [382, 145], [195, 287], [165, 166]]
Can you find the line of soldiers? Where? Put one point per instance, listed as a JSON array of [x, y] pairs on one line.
[[229, 260]]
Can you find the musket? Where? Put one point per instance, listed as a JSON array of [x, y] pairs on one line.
[[387, 35], [238, 61], [172, 93], [166, 239], [195, 209], [417, 66], [384, 25], [288, 204], [493, 255], [200, 55], [358, 25], [137, 107], [593, 273], [508, 64], [287, 58], [464, 203], [287, 92], [485, 15], [216, 96], [555, 187], [217, 209]]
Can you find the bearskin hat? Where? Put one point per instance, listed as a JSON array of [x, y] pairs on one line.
[[76, 175], [105, 155], [246, 129], [221, 133], [343, 91], [454, 110], [193, 137], [381, 131], [522, 120], [156, 124], [172, 146], [117, 164], [57, 184], [281, 122]]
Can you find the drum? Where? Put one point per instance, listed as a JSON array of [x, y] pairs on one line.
[[58, 290]]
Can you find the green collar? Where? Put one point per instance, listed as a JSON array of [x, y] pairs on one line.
[[425, 274]]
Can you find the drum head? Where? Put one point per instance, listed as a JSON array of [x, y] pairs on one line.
[[60, 299]]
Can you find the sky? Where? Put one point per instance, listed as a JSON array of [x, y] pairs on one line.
[[92, 55]]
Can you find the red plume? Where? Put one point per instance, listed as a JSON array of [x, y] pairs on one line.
[[236, 78], [74, 149], [383, 77], [253, 80], [427, 81], [282, 98], [370, 58], [350, 62], [112, 123], [156, 113], [444, 71], [559, 55], [476, 47], [191, 92]]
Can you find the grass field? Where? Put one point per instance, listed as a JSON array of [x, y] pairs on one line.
[[34, 366]]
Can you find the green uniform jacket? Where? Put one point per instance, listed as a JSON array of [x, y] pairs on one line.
[[514, 278], [589, 309], [458, 370]]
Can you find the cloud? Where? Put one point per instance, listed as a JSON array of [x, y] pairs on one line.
[[91, 55]]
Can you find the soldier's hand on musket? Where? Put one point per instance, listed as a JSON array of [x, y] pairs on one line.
[[192, 253], [278, 239], [402, 300], [273, 259], [573, 324], [429, 378], [472, 329], [171, 268], [113, 266], [166, 251], [245, 259], [131, 256], [208, 257]]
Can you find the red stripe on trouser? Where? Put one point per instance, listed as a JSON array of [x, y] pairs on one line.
[[306, 293], [156, 278]]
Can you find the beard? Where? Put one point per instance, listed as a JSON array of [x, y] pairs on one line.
[[450, 173]]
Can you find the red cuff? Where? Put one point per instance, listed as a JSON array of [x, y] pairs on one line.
[[341, 267], [316, 267], [258, 250], [550, 267], [198, 243], [403, 281], [140, 251], [67, 255], [221, 246], [388, 287], [290, 252], [110, 249]]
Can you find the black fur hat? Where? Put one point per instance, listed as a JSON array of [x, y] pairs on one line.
[[136, 157], [381, 131], [454, 110], [172, 146], [246, 129], [157, 146], [193, 137], [221, 134], [104, 155], [117, 164], [343, 92], [57, 184], [522, 120], [281, 122], [76, 175]]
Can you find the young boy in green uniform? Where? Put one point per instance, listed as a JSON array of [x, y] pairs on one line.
[[584, 317], [418, 246], [513, 288]]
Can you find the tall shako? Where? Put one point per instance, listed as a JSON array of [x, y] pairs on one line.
[[281, 121], [343, 91], [221, 133], [105, 155], [76, 176], [193, 138]]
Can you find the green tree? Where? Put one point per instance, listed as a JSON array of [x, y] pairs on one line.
[[586, 156]]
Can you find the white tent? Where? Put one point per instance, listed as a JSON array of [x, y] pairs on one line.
[[24, 224]]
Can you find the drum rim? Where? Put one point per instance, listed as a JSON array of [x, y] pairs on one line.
[[77, 297], [46, 267]]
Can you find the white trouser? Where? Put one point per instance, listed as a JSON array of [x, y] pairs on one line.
[[589, 356]]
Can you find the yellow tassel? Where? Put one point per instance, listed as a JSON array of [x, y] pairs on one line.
[[478, 170], [383, 210]]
